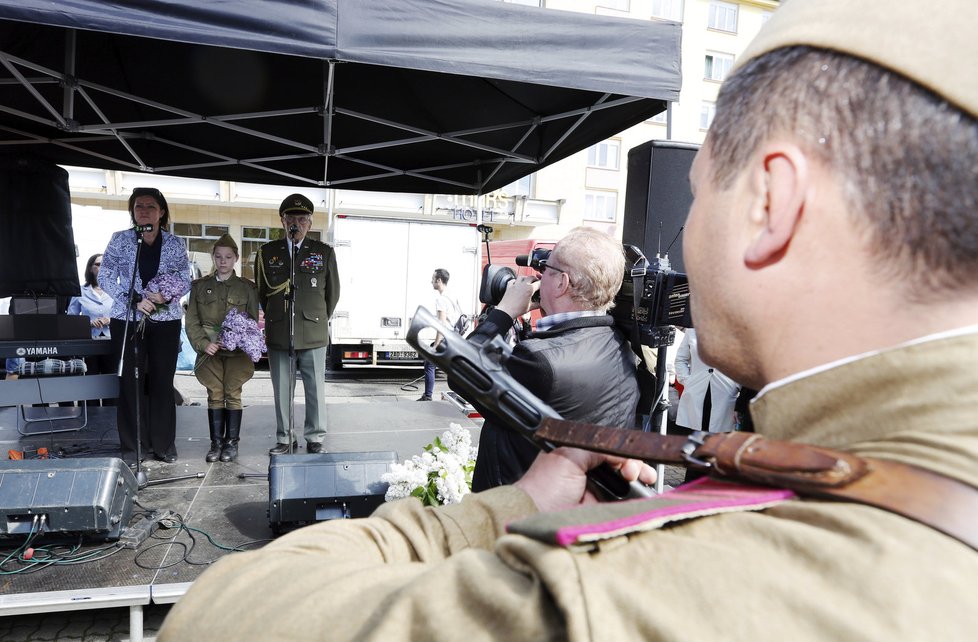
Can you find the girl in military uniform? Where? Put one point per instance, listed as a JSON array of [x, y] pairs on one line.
[[222, 372]]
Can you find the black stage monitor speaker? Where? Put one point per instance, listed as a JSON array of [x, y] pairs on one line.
[[91, 497], [303, 489], [657, 198]]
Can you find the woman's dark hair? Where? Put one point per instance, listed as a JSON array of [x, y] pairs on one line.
[[157, 196], [89, 272]]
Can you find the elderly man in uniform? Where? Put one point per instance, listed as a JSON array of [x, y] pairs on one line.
[[833, 248], [317, 289]]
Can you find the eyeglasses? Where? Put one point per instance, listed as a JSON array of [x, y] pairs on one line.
[[544, 266], [298, 219]]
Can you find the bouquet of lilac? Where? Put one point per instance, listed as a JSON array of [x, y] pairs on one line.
[[170, 285], [442, 474], [241, 332]]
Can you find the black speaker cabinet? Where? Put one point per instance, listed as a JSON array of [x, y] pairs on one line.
[[657, 198], [37, 244], [91, 497], [303, 489]]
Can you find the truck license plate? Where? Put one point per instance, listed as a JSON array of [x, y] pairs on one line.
[[402, 355]]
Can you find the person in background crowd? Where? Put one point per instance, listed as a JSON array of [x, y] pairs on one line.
[[576, 360], [223, 373], [708, 398], [317, 289], [448, 311], [163, 255], [832, 244], [96, 304]]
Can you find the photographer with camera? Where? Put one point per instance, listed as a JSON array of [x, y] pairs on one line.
[[575, 360]]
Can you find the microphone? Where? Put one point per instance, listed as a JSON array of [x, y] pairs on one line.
[[143, 228], [293, 230]]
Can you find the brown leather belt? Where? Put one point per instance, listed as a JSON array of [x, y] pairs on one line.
[[944, 504]]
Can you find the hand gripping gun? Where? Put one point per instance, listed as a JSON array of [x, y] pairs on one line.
[[478, 372]]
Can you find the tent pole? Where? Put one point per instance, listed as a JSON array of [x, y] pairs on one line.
[[68, 107], [328, 124]]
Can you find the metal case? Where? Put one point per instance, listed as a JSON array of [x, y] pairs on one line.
[[92, 496]]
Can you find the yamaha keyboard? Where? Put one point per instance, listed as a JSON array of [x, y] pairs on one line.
[[41, 336]]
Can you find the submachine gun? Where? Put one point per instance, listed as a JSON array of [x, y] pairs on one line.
[[478, 372]]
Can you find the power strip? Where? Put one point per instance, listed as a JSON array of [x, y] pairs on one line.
[[145, 526]]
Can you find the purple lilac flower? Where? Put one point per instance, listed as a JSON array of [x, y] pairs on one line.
[[169, 284], [241, 332]]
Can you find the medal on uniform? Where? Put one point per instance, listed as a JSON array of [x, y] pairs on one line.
[[313, 281]]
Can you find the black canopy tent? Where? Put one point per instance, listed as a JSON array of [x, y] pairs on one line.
[[436, 96]]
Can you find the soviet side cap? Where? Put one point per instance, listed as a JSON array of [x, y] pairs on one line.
[[931, 43], [295, 204]]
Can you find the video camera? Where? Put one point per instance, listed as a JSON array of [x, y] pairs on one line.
[[652, 299], [495, 278], [662, 299]]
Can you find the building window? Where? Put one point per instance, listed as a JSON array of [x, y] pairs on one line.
[[253, 238], [717, 66], [659, 119], [198, 237], [707, 112], [723, 16], [604, 154], [522, 187], [601, 206], [668, 9]]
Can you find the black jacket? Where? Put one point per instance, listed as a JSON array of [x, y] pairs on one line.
[[582, 368]]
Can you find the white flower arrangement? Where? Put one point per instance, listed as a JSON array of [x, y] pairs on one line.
[[442, 474]]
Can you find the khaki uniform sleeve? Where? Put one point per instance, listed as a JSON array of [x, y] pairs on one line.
[[195, 329], [407, 573], [333, 279], [252, 299]]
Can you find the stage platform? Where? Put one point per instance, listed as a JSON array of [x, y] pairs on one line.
[[226, 511]]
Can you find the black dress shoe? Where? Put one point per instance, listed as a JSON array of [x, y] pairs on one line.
[[314, 448], [283, 449], [170, 459]]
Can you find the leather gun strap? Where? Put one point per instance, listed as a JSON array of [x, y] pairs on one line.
[[943, 503], [934, 500]]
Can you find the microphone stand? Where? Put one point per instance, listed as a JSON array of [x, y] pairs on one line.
[[293, 230], [141, 480]]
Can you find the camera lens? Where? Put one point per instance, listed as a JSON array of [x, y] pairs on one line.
[[495, 278]]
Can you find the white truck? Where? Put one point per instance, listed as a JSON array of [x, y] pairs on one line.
[[385, 266]]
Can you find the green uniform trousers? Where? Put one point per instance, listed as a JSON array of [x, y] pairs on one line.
[[311, 365], [224, 376]]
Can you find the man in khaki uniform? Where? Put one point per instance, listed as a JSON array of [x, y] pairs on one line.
[[833, 248], [317, 289], [221, 371]]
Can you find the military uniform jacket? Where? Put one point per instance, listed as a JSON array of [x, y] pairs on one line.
[[210, 301], [317, 291], [803, 570]]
